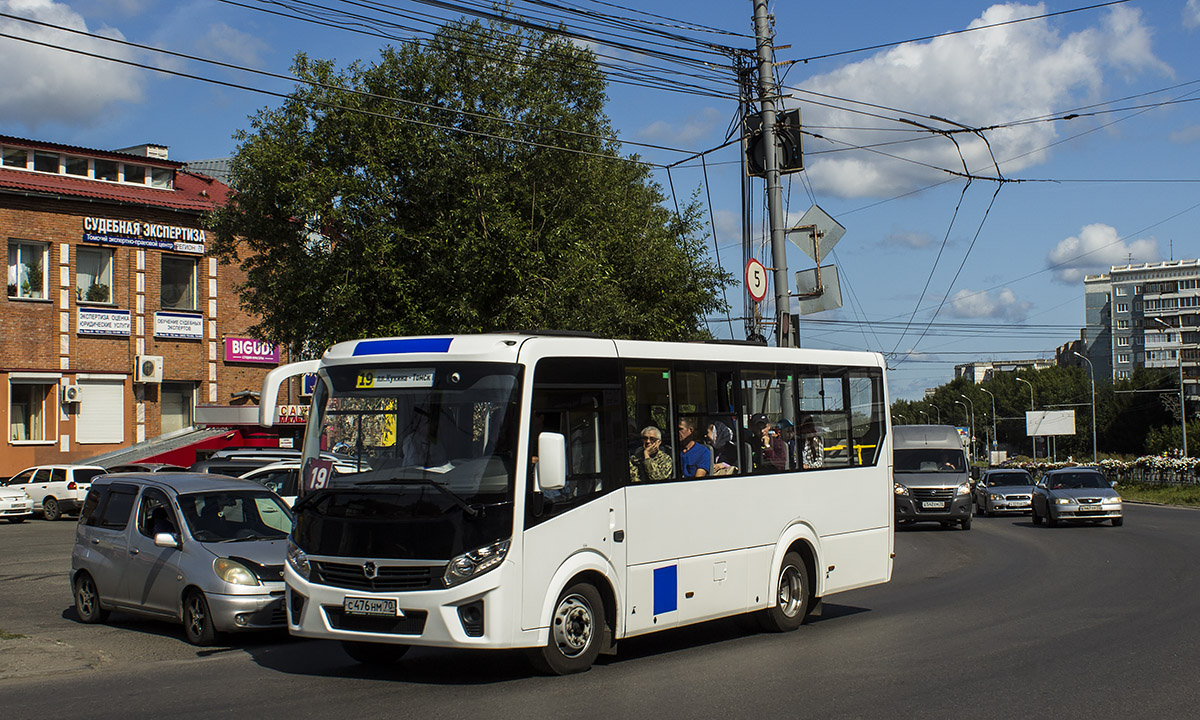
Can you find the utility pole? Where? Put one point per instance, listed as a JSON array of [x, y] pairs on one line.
[[768, 94]]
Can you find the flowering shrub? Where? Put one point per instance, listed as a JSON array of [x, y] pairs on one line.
[[1149, 468]]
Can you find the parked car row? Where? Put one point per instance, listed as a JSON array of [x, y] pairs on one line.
[[55, 491]]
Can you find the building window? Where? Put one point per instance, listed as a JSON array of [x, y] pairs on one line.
[[1123, 307], [93, 275], [1122, 324], [178, 404], [76, 166], [45, 162], [135, 174], [1123, 341], [27, 411], [1120, 291], [105, 169], [178, 283], [1123, 358], [14, 157], [1122, 374], [161, 178], [26, 269]]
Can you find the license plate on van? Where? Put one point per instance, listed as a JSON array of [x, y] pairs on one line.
[[933, 505], [370, 606]]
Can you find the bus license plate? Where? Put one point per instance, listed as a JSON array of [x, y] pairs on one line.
[[932, 504], [370, 606]]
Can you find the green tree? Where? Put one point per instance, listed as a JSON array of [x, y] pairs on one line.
[[423, 193]]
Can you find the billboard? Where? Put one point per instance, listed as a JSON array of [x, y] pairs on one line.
[[1039, 423]]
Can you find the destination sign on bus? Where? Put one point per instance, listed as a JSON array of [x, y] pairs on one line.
[[374, 379]]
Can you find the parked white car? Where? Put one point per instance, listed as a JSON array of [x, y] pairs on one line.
[[283, 478], [56, 489], [15, 504]]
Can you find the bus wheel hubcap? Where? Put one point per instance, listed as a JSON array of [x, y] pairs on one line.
[[791, 591], [573, 625]]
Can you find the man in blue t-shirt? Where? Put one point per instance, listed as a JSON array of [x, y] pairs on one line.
[[695, 458]]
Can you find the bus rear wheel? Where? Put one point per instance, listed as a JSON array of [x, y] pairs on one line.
[[792, 596], [576, 629]]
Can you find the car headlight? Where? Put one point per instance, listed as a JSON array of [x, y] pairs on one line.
[[1063, 501], [899, 489], [298, 560], [964, 489], [233, 572], [994, 496], [1111, 500], [478, 561]]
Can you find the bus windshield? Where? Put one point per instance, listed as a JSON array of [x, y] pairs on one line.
[[451, 427]]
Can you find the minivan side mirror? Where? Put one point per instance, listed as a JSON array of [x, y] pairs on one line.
[[166, 540], [552, 461]]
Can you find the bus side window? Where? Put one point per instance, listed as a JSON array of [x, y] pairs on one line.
[[866, 415], [822, 398], [648, 405]]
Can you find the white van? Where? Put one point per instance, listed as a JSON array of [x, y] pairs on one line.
[[932, 480]]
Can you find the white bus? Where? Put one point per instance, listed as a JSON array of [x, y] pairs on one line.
[[504, 497]]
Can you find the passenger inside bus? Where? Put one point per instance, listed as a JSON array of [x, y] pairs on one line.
[[695, 459], [724, 454], [768, 452], [650, 462]]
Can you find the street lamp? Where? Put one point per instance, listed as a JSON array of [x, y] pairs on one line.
[[964, 397], [926, 416], [939, 414], [1092, 374], [1032, 439], [995, 440], [898, 415], [1182, 406], [966, 421]]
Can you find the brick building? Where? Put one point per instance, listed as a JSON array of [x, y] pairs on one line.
[[116, 326]]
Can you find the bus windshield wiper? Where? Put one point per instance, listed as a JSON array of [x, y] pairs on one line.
[[423, 480]]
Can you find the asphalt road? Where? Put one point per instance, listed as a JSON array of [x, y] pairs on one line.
[[1007, 620]]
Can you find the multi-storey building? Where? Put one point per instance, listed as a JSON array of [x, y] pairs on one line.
[[983, 370], [116, 325], [1145, 315]]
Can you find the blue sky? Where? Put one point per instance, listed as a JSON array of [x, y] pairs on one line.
[[1118, 181]]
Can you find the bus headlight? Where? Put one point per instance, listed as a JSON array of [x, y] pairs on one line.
[[899, 489], [298, 560], [478, 561]]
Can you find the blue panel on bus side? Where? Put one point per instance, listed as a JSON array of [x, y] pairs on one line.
[[402, 345], [666, 589]]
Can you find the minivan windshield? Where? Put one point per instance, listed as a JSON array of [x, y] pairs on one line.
[[923, 460], [234, 515]]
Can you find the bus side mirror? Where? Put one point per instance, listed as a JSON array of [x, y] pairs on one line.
[[552, 461]]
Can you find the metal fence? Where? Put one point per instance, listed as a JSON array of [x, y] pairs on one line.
[[1153, 476]]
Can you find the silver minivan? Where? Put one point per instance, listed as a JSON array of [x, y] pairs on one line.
[[204, 550], [931, 480]]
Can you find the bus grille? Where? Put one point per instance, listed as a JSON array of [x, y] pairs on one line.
[[933, 493], [389, 578], [413, 622]]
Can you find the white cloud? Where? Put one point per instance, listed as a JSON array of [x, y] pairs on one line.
[[235, 45], [694, 129], [43, 85], [1095, 250], [1191, 14], [908, 239], [981, 78], [1002, 304], [1187, 135]]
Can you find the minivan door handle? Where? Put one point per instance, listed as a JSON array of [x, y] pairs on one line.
[[134, 551], [95, 541], [619, 536]]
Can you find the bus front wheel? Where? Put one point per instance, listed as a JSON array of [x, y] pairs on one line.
[[576, 629], [791, 596]]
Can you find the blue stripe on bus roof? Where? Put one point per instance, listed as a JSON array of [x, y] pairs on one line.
[[402, 345]]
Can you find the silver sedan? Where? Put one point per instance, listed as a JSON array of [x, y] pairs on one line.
[[1075, 494], [1006, 490]]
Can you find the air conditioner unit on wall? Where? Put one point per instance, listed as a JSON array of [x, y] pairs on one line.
[[148, 369], [71, 393]]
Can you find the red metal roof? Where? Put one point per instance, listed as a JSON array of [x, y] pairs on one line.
[[192, 192], [89, 152]]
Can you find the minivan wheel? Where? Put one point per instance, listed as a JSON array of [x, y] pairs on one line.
[[50, 509], [966, 523], [87, 600], [1050, 519], [197, 620]]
